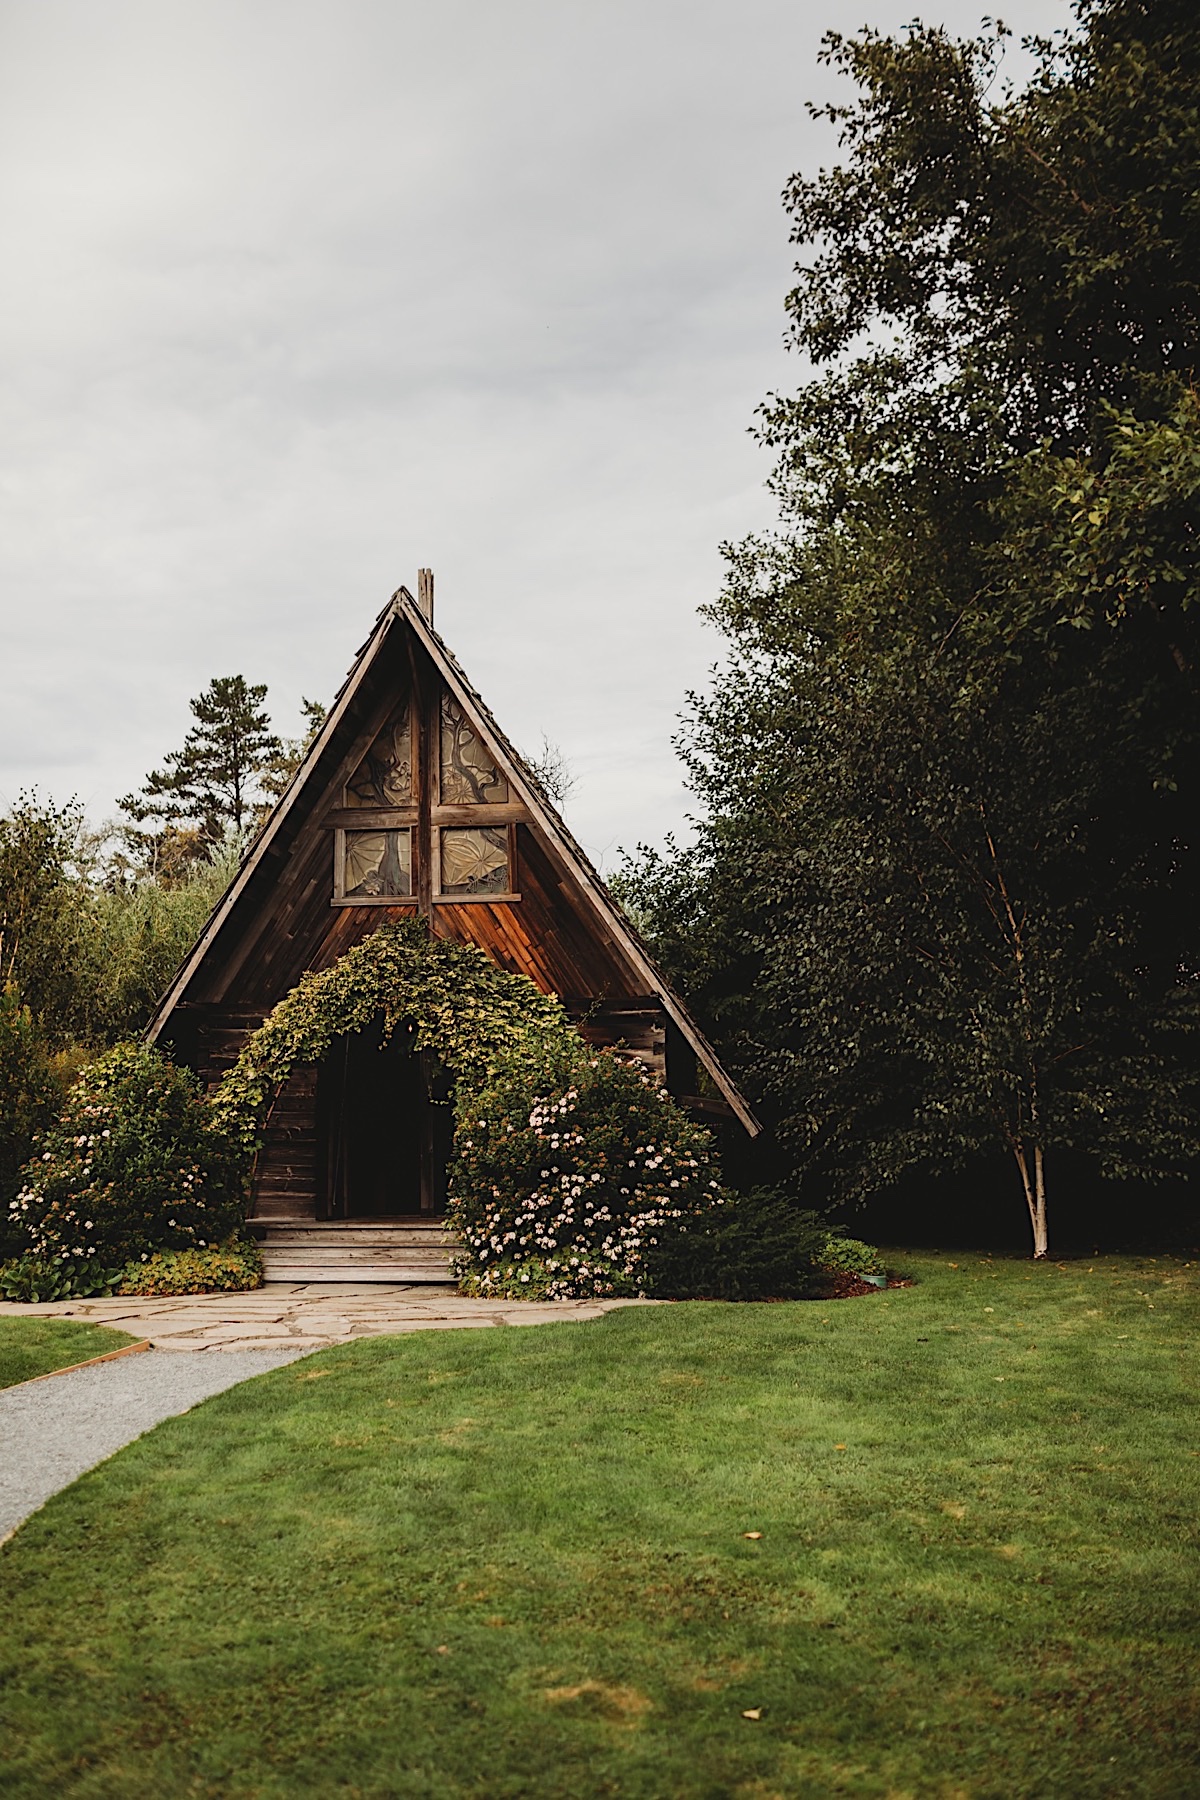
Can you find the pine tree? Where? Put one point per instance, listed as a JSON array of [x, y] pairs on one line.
[[211, 785]]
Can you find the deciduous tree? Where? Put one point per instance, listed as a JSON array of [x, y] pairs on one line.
[[944, 894]]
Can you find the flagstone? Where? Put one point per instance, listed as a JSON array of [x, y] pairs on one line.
[[308, 1315]]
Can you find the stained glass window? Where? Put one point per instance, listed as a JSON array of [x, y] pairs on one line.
[[475, 861], [384, 776], [378, 864], [468, 775]]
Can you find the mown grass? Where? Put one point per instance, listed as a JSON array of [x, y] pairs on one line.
[[513, 1563], [30, 1347]]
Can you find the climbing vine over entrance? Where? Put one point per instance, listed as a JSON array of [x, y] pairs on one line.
[[459, 1005]]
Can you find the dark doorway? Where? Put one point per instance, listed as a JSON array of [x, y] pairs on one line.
[[386, 1126]]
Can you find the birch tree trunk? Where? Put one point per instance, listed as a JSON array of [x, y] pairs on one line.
[[1033, 1181]]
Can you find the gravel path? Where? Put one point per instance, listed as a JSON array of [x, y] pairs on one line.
[[52, 1431]]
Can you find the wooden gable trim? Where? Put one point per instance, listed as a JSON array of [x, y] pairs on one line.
[[608, 918]]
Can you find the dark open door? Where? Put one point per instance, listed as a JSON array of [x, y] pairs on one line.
[[385, 1123]]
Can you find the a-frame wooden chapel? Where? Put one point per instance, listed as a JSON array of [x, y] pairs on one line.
[[410, 800]]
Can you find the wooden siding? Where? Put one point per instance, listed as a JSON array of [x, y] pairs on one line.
[[285, 1181]]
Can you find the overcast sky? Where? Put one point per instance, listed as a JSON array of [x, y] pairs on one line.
[[302, 294]]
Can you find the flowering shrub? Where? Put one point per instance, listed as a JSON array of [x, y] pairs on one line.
[[133, 1165], [571, 1173]]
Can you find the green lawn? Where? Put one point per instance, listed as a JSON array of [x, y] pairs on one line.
[[30, 1347], [513, 1562]]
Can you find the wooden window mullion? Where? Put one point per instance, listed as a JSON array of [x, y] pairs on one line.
[[429, 715]]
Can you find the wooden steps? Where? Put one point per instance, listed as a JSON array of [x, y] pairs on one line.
[[401, 1250]]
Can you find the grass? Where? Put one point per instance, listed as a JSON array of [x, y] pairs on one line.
[[30, 1347], [515, 1562]]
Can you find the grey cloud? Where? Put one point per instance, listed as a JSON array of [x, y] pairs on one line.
[[303, 295]]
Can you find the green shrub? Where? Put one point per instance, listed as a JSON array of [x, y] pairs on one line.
[[29, 1093], [757, 1246], [134, 1165], [228, 1268], [574, 1171], [530, 1278], [35, 1278], [849, 1256]]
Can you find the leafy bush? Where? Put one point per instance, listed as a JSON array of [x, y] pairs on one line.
[[134, 1165], [29, 1094], [528, 1278], [135, 937], [41, 903], [36, 1278], [849, 1256], [573, 1170], [757, 1246], [228, 1268]]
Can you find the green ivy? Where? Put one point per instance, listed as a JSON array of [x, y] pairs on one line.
[[456, 1002]]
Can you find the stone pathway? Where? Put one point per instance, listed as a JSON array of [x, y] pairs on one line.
[[300, 1316]]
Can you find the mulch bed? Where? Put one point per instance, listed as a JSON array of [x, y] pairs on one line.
[[849, 1287]]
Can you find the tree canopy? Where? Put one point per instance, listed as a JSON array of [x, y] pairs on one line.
[[943, 896]]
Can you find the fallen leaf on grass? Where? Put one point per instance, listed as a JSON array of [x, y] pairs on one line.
[[753, 1712], [752, 1534], [839, 1446]]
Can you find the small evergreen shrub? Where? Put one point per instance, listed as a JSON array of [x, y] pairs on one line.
[[134, 1165], [757, 1246], [572, 1171], [228, 1268]]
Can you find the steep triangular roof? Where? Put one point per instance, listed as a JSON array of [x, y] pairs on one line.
[[610, 921]]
